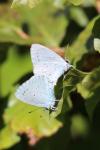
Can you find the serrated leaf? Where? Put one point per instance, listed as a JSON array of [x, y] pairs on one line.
[[68, 84], [8, 138], [75, 52], [23, 117]]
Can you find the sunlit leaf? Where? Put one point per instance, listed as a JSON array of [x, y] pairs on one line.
[[51, 26], [8, 138], [76, 2], [13, 34], [13, 69], [29, 117], [75, 52], [30, 3], [61, 3], [47, 29]]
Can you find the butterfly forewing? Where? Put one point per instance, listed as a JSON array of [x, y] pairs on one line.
[[48, 63]]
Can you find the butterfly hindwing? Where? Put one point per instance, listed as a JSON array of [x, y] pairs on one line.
[[41, 54], [37, 91]]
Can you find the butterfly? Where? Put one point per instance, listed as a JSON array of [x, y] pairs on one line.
[[47, 67]]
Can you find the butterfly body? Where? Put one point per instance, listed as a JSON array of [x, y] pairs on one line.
[[47, 68]]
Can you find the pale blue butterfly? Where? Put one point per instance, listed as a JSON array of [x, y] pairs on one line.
[[48, 67]]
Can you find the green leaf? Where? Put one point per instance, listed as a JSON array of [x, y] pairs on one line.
[[13, 69], [10, 32], [96, 28], [81, 2], [23, 117], [89, 88], [8, 138], [61, 3], [75, 2], [72, 78], [89, 83], [79, 126], [29, 3], [92, 102], [58, 108], [96, 33], [43, 24], [79, 16], [70, 82], [67, 103], [75, 52], [97, 44]]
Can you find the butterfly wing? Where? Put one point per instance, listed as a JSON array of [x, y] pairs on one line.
[[48, 67], [41, 53], [37, 91], [48, 63]]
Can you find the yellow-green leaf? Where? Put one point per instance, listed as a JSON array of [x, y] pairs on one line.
[[13, 69], [8, 138], [23, 117]]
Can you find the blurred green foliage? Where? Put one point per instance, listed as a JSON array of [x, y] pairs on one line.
[[69, 25]]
